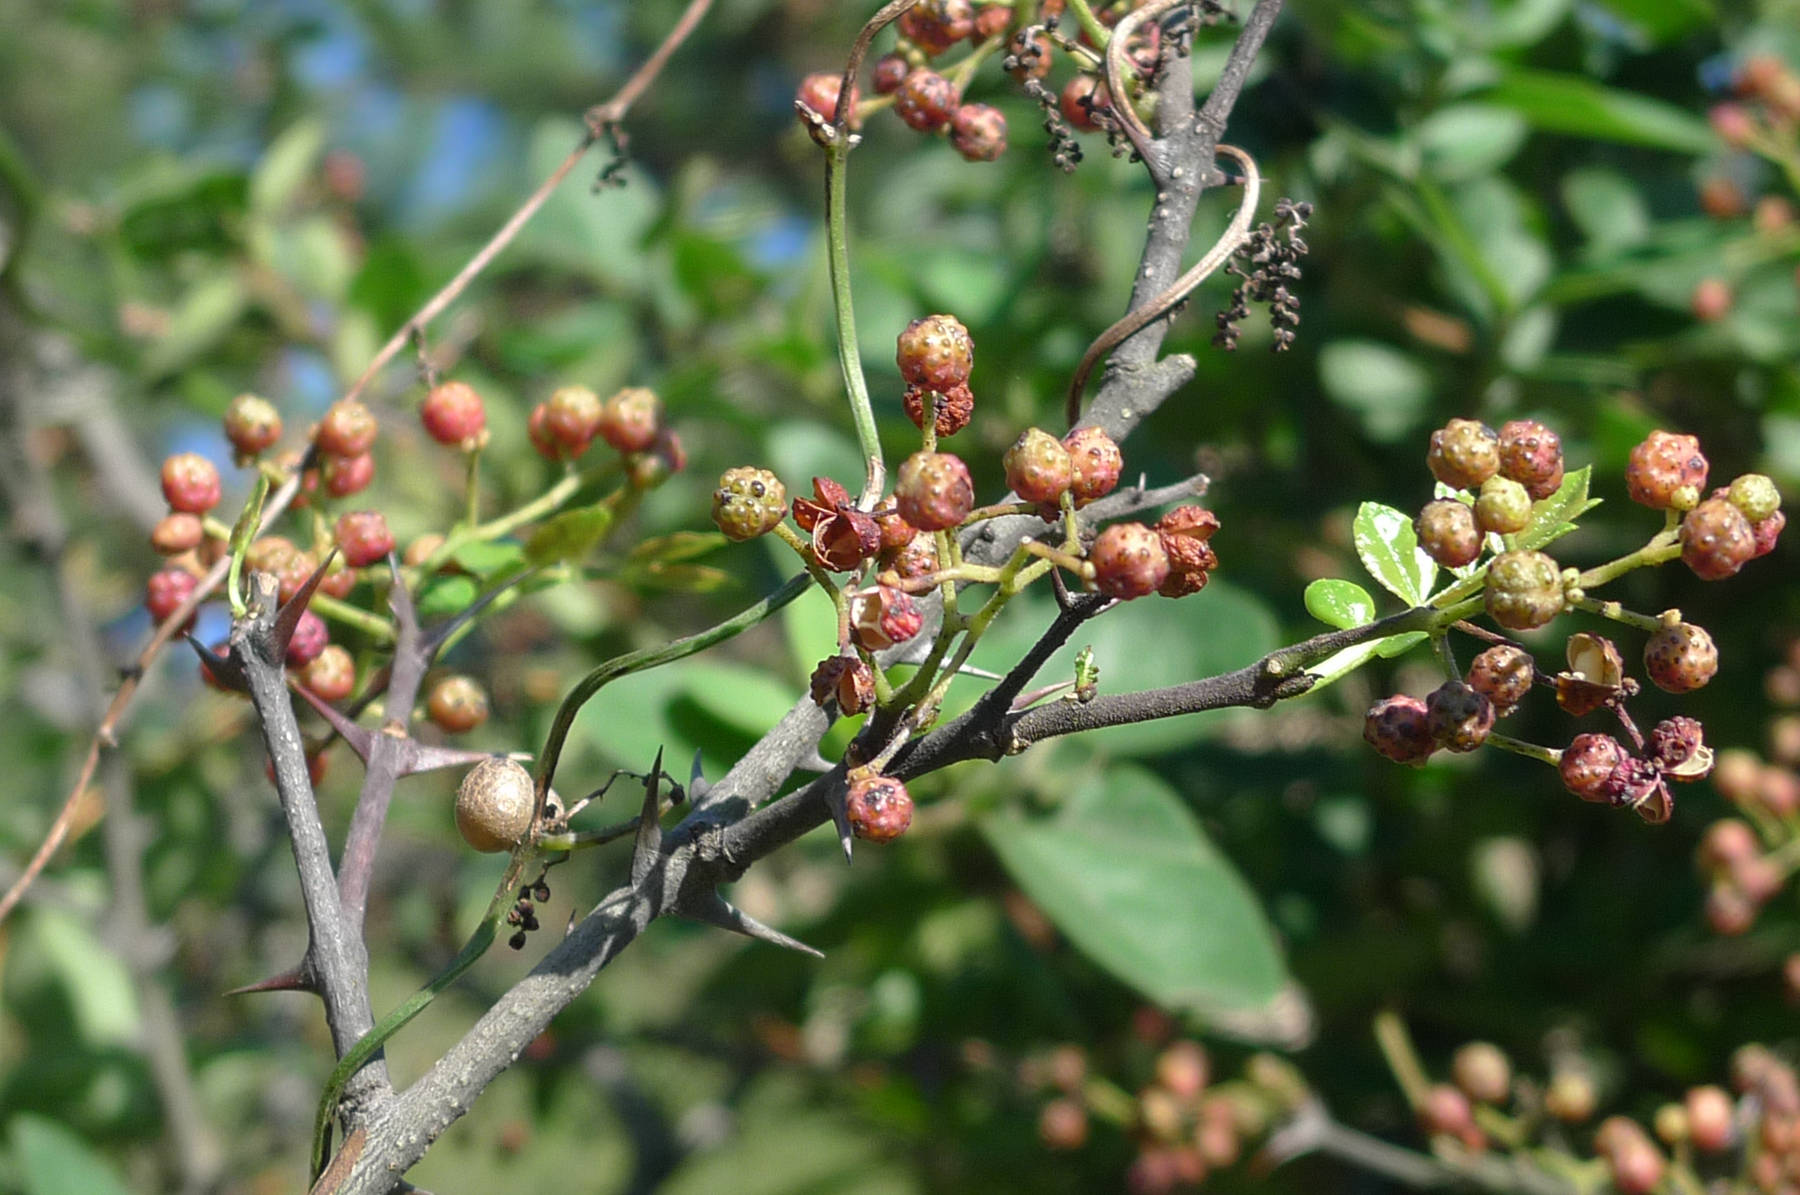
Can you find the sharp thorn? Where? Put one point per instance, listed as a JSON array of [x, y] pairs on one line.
[[648, 848], [294, 979], [361, 739], [714, 909]]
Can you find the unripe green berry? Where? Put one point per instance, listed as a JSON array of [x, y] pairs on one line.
[[1755, 495], [1464, 453], [495, 804], [1504, 506], [1446, 530], [748, 503], [1524, 590]]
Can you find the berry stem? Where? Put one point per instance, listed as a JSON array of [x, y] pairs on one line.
[[996, 511], [544, 504], [1662, 548], [1402, 1059], [1440, 641], [1547, 755], [1617, 613], [366, 621], [472, 488], [1097, 33]]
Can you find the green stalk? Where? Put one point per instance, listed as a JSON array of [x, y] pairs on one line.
[[856, 387]]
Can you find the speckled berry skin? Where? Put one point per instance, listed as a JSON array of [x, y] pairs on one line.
[[917, 559], [820, 93], [630, 419], [1095, 463], [1129, 561], [331, 675], [571, 421], [748, 503], [879, 807], [1503, 506], [935, 352], [933, 491], [1524, 590], [176, 533], [978, 131], [1447, 531], [252, 425], [889, 71], [1677, 744], [847, 681], [308, 640], [166, 590], [926, 100], [895, 531], [1184, 533], [1531, 454], [1464, 453], [954, 407], [1459, 716], [453, 414], [363, 537], [1399, 727], [883, 616], [348, 429], [1755, 495], [457, 705], [1038, 468], [1716, 540], [1681, 658], [1666, 471], [1766, 534], [343, 476], [190, 483], [933, 26], [1592, 768], [1503, 674], [1079, 99]]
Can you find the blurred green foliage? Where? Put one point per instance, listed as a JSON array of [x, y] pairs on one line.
[[197, 201]]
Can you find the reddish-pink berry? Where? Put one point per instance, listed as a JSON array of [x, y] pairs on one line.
[[177, 533], [1503, 675], [1082, 97], [1459, 716], [1765, 533], [1531, 454], [1095, 463], [1464, 453], [925, 100], [1445, 1111], [936, 25], [1063, 1124], [883, 616], [991, 20], [346, 475], [348, 429], [1038, 468], [933, 491], [1184, 533], [252, 424], [953, 407], [1182, 1069], [917, 559], [896, 532], [166, 590], [879, 807], [630, 419], [331, 675], [1399, 727], [665, 457], [889, 72], [1666, 472], [1447, 531], [1711, 300], [1716, 539], [978, 131], [1681, 658], [1128, 560], [454, 414], [820, 93], [190, 482], [363, 537], [1593, 768], [935, 352], [1710, 1116], [1482, 1071], [308, 640], [537, 429], [572, 419], [457, 704]]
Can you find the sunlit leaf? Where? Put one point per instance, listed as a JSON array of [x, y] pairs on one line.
[[1389, 549]]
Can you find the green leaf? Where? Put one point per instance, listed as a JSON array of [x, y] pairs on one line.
[[1341, 664], [1659, 21], [1385, 389], [673, 549], [1464, 140], [569, 535], [1570, 104], [199, 321], [1341, 604], [485, 558], [686, 578], [102, 1002], [52, 1159], [444, 597], [1127, 873], [1555, 516], [1390, 550], [286, 166], [1608, 208]]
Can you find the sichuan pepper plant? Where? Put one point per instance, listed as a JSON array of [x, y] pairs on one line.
[[912, 568]]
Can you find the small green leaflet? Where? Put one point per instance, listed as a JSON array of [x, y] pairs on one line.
[[1343, 663], [569, 536], [1555, 516], [1390, 551], [1340, 604]]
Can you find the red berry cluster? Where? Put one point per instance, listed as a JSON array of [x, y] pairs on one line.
[[924, 99], [1763, 119], [563, 427]]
